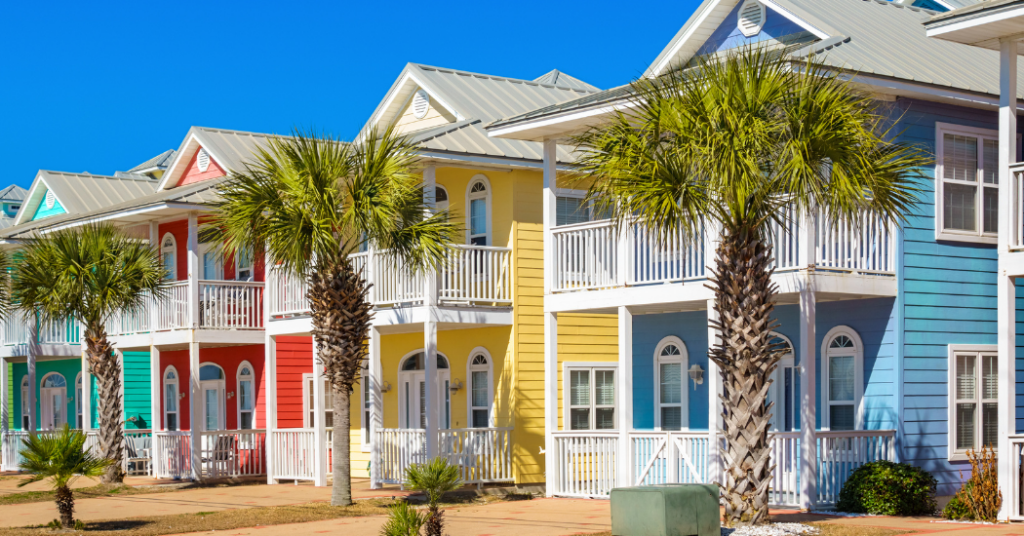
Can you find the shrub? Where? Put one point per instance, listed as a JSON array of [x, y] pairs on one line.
[[403, 520], [434, 479], [887, 488], [979, 498]]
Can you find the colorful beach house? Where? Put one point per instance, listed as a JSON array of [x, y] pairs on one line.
[[901, 341]]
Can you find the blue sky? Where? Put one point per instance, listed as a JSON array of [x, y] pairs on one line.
[[103, 86]]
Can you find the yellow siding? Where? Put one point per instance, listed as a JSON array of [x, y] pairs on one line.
[[435, 116]]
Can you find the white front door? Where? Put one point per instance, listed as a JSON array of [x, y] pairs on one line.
[[212, 397], [52, 405], [785, 393], [414, 396]]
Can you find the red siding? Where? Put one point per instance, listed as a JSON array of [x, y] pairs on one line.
[[229, 358], [193, 175], [180, 231], [294, 358]]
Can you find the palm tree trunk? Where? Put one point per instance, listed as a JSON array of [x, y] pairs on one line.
[[65, 500], [105, 368], [746, 357], [341, 316]]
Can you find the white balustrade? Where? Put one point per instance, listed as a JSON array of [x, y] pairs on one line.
[[233, 453], [138, 452], [132, 321], [172, 455], [586, 256], [67, 331], [665, 259], [585, 463], [398, 449], [483, 455], [1016, 496], [16, 329], [172, 309], [230, 305], [293, 454], [287, 293], [839, 453], [477, 275], [865, 245], [1017, 217], [394, 284], [668, 457], [785, 238], [785, 487], [12, 442]]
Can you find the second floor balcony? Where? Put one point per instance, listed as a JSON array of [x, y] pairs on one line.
[[218, 305], [20, 331]]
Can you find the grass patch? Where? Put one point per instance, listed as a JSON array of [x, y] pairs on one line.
[[224, 520], [103, 490]]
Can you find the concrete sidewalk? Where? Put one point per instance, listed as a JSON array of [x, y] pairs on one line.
[[920, 525]]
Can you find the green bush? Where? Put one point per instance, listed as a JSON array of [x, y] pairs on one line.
[[887, 488], [956, 508]]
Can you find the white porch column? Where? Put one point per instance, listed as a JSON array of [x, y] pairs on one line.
[[550, 400], [549, 203], [431, 394], [624, 400], [154, 242], [193, 269], [1006, 289], [195, 418], [430, 188], [86, 391], [714, 380], [156, 398], [5, 410], [319, 421], [33, 387], [270, 400], [373, 383], [808, 409]]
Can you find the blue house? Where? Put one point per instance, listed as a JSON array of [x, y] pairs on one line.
[[893, 333]]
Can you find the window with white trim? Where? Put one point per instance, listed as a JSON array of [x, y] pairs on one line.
[[169, 255], [171, 397], [25, 415], [571, 207], [974, 392], [967, 173], [590, 404], [480, 391], [671, 412], [243, 264], [479, 211], [79, 423], [440, 198], [309, 402], [842, 379], [366, 402], [211, 262], [246, 397]]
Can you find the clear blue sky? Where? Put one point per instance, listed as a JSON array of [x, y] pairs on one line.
[[102, 86]]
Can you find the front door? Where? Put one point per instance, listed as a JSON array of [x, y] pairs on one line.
[[212, 396], [414, 400], [52, 406]]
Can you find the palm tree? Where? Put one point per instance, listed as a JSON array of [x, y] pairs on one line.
[[62, 458], [434, 479], [309, 201], [91, 273], [727, 143]]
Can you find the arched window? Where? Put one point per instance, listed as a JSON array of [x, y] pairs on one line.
[[79, 422], [169, 255], [412, 409], [478, 211], [210, 372], [785, 389], [481, 388], [53, 380], [440, 197], [53, 396], [25, 403], [842, 379], [672, 404], [246, 397], [171, 399]]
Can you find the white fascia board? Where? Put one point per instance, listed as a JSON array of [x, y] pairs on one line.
[[487, 161], [979, 21], [818, 32], [182, 150], [389, 100], [508, 131], [701, 17], [128, 213], [35, 195]]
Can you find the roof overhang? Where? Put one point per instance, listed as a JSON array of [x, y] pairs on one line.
[[982, 26], [144, 214], [560, 125], [183, 157]]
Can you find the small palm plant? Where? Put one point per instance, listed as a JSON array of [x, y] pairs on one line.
[[61, 457], [91, 274], [403, 520], [434, 479]]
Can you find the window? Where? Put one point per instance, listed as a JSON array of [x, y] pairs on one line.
[[243, 264], [967, 169], [478, 203], [366, 389], [212, 263], [591, 400], [671, 411], [974, 403], [440, 198], [481, 390], [168, 254], [785, 389], [79, 423], [246, 397], [310, 402], [25, 403], [171, 399], [570, 210], [842, 379]]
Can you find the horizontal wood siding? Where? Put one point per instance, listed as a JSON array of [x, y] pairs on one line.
[[648, 330], [137, 391], [69, 368], [228, 358], [294, 358]]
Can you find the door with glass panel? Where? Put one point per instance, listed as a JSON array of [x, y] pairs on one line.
[[53, 402], [413, 394], [785, 390]]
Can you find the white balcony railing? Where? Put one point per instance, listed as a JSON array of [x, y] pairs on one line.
[[223, 305], [471, 275], [293, 454], [172, 455], [222, 454], [12, 442], [585, 464], [18, 329], [1016, 498], [483, 455], [67, 331], [398, 449]]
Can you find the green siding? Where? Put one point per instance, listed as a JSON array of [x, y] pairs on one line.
[[69, 368], [137, 390], [43, 212], [10, 395], [95, 403]]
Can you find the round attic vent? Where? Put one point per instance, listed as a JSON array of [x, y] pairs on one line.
[[420, 103], [203, 160], [50, 199], [751, 18]]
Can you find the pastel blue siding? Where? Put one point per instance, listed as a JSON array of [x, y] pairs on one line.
[[777, 28], [948, 294], [648, 331], [43, 212]]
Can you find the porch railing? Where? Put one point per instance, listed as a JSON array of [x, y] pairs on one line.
[[586, 256], [662, 457], [172, 455], [230, 305], [483, 455], [585, 463], [398, 449], [293, 454], [1016, 499], [233, 453], [11, 445], [17, 330], [839, 453]]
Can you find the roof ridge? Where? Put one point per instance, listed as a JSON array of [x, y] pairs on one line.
[[497, 77], [233, 131], [93, 175]]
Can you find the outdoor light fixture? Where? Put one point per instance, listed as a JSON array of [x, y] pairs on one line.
[[231, 394], [181, 395], [455, 385], [385, 387], [697, 375]]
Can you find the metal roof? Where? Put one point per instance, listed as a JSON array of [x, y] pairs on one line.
[[229, 148], [558, 78], [83, 192], [160, 161], [13, 193], [968, 9]]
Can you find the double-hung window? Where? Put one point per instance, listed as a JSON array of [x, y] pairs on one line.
[[246, 397], [974, 404], [591, 397], [307, 388], [171, 399], [967, 184]]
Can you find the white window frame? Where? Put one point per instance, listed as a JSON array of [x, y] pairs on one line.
[[684, 361], [79, 421], [250, 267], [480, 177], [26, 414], [961, 349], [567, 369], [978, 236], [218, 268], [58, 411], [177, 401], [858, 376], [470, 369], [173, 250], [440, 206], [365, 407], [787, 361], [307, 385], [239, 378]]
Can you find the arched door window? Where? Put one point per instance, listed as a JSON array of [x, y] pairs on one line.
[[246, 397], [412, 384], [785, 389], [25, 403], [842, 379], [481, 389], [672, 411], [79, 421], [171, 399], [53, 397], [478, 204], [169, 255], [211, 392]]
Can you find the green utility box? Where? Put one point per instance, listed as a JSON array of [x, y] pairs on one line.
[[666, 510]]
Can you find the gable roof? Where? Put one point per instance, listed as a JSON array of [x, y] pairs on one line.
[[160, 161], [475, 100], [13, 193], [229, 148], [83, 192]]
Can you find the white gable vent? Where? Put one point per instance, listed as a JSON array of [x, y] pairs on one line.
[[420, 103], [203, 160], [751, 18], [50, 199]]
